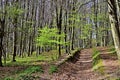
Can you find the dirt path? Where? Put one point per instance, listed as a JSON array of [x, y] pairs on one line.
[[79, 70], [82, 68]]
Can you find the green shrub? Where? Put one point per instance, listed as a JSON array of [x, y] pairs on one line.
[[95, 56], [26, 74], [53, 69], [8, 78], [118, 79], [28, 77], [97, 61], [112, 51], [33, 69]]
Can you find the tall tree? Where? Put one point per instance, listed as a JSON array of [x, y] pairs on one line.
[[2, 27], [59, 13], [114, 21]]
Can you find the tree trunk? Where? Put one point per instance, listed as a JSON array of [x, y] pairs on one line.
[[114, 25], [65, 31], [2, 26], [15, 40], [59, 25], [1, 39]]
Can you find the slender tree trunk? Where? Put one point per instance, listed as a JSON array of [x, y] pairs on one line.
[[73, 34], [2, 25], [59, 25], [1, 39], [15, 20], [21, 43], [29, 46], [95, 21], [65, 31], [15, 40]]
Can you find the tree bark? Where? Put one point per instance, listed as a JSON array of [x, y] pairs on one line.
[[59, 24], [15, 39], [114, 25], [15, 33], [2, 25]]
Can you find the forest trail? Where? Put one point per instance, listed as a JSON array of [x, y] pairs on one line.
[[78, 68], [82, 68]]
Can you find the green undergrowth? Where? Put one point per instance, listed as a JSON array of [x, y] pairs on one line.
[[31, 65], [53, 69], [26, 74], [33, 69], [33, 59], [112, 51], [117, 79], [97, 61], [8, 78]]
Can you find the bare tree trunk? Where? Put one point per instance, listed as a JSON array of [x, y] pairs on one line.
[[2, 25], [113, 16], [15, 39], [59, 24], [60, 28], [15, 20], [65, 31]]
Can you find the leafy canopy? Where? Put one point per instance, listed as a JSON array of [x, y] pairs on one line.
[[48, 36]]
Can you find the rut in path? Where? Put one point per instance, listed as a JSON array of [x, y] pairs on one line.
[[78, 70], [81, 68]]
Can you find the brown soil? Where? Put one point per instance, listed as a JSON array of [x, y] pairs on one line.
[[80, 68], [7, 71]]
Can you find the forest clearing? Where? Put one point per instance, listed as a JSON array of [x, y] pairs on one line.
[[59, 40]]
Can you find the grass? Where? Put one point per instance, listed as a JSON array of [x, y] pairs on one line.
[[53, 69], [33, 61], [117, 79], [43, 57], [97, 61], [33, 69], [32, 65], [25, 74], [112, 51], [8, 78]]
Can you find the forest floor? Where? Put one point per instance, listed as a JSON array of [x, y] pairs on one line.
[[80, 68]]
